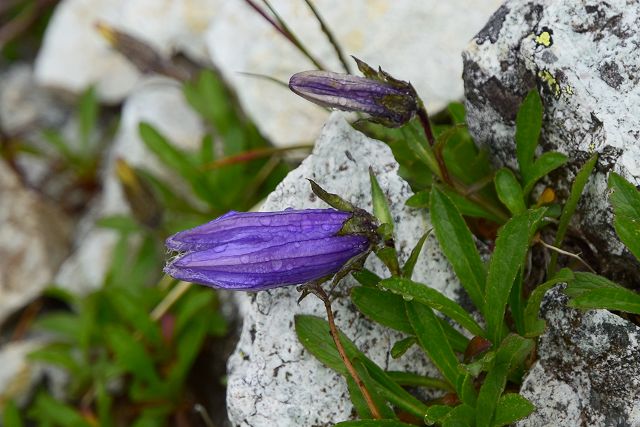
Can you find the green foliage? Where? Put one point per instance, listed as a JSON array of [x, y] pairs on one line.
[[528, 127], [570, 206], [227, 172], [626, 207], [460, 199], [457, 244]]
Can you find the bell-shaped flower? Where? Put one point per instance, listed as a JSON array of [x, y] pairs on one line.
[[386, 100], [253, 251]]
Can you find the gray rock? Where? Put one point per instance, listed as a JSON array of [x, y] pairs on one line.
[[583, 58], [35, 237], [74, 55], [272, 379], [588, 371]]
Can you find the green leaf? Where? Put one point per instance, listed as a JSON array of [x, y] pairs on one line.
[[626, 207], [131, 354], [419, 200], [509, 191], [64, 325], [167, 153], [409, 265], [401, 347], [382, 307], [379, 201], [570, 208], [620, 299], [544, 165], [517, 303], [191, 305], [436, 413], [433, 340], [430, 297], [60, 355], [528, 127], [457, 111], [122, 223], [366, 277], [11, 416], [469, 208], [188, 343], [508, 257], [407, 379], [46, 408], [584, 282], [313, 334], [512, 407], [373, 423], [373, 388], [131, 308], [512, 351], [87, 116], [532, 324], [460, 416], [590, 291], [458, 245]]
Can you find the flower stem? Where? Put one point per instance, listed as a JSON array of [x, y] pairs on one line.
[[335, 334], [426, 126]]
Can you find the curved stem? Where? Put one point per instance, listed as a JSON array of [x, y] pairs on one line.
[[335, 334]]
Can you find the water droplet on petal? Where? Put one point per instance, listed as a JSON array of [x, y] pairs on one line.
[[326, 227], [276, 265], [220, 248], [244, 259], [265, 220]]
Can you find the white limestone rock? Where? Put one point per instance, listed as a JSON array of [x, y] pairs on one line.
[[583, 58], [588, 371], [35, 237], [272, 379], [74, 55], [414, 40], [160, 103]]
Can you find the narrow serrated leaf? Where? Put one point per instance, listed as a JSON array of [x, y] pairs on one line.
[[511, 407], [430, 297], [626, 207], [570, 207], [511, 352], [509, 191], [433, 340], [508, 257], [528, 127], [458, 245], [382, 307], [543, 165], [409, 265]]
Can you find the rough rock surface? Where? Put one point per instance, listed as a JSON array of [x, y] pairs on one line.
[[74, 55], [35, 237], [272, 379], [160, 103], [583, 58], [588, 371], [414, 40]]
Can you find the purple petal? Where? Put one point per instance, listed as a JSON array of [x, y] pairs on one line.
[[259, 228]]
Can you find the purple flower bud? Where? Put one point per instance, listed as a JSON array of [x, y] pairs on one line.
[[253, 251], [390, 102]]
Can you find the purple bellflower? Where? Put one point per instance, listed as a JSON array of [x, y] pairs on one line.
[[386, 100], [253, 251]]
